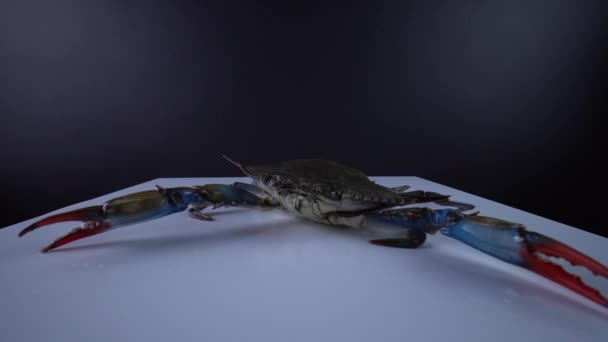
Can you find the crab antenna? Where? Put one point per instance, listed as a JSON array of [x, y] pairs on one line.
[[240, 165]]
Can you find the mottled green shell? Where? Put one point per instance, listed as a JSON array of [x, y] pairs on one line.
[[323, 178]]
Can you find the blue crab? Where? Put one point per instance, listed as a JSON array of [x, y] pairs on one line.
[[331, 193]]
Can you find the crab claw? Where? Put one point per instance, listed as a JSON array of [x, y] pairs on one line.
[[94, 213], [148, 205], [539, 245], [121, 211], [511, 243], [86, 230]]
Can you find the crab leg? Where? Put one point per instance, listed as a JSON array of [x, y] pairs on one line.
[[507, 241], [143, 206]]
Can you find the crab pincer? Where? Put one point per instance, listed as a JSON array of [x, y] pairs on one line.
[[512, 243], [504, 240], [121, 211], [144, 206]]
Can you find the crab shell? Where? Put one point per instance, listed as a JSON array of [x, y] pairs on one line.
[[323, 190]]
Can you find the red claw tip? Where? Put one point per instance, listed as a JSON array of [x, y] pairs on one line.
[[538, 243]]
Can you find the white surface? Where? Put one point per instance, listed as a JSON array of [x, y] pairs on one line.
[[267, 276]]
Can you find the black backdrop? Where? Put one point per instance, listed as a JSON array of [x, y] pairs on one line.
[[502, 99]]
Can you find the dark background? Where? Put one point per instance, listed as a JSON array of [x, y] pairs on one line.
[[502, 99]]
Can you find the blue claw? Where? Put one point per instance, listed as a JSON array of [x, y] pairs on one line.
[[512, 243], [507, 241], [143, 206], [498, 238]]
